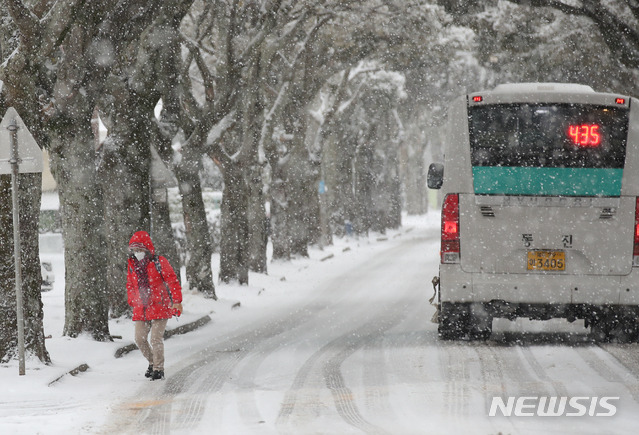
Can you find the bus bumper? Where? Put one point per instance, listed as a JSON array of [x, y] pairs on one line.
[[457, 286]]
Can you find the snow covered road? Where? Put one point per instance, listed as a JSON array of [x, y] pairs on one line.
[[355, 352]]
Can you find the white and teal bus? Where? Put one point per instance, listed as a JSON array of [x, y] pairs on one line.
[[540, 217]]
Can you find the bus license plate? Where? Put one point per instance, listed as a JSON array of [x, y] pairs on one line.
[[547, 260]]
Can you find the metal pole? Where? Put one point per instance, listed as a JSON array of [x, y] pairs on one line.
[[13, 129]]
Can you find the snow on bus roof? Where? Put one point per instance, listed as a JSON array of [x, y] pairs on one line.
[[542, 87]]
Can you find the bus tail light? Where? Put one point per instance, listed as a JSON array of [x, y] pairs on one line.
[[450, 229], [635, 259]]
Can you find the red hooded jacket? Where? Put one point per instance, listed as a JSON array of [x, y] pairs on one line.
[[160, 301]]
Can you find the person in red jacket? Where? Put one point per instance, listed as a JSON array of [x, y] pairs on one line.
[[155, 295]]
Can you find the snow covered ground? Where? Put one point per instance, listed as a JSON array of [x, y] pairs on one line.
[[337, 343], [43, 403]]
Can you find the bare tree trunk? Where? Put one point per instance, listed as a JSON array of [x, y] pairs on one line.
[[30, 191], [86, 299], [340, 180], [335, 182], [258, 224], [395, 212], [298, 171], [235, 228], [252, 119], [78, 80], [414, 178], [363, 186], [314, 224], [337, 166], [162, 231], [199, 247], [299, 190], [29, 204], [276, 153], [278, 221], [198, 237]]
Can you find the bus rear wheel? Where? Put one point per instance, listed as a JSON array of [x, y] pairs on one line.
[[453, 321], [615, 324], [459, 321], [480, 322]]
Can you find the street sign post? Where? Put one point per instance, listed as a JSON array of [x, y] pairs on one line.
[[19, 153]]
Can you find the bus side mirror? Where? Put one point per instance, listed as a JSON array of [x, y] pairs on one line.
[[435, 176]]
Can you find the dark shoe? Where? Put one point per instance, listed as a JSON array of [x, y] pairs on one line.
[[157, 374], [149, 371]]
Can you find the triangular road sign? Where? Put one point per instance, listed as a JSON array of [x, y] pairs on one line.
[[29, 153]]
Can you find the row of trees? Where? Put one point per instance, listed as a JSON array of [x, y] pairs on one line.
[[325, 109], [235, 79]]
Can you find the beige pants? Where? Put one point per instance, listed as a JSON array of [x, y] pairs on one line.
[[154, 352]]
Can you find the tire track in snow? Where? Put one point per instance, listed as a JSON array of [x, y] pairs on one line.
[[294, 393], [628, 357], [520, 375], [593, 359], [541, 373], [374, 377], [164, 406], [454, 359], [299, 393], [391, 359], [611, 371], [211, 378], [626, 354], [35, 407], [152, 407], [495, 371], [343, 396], [290, 330], [252, 346], [492, 370], [331, 363]]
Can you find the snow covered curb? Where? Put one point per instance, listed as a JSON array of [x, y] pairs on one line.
[[79, 369]]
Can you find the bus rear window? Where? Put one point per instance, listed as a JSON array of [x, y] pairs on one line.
[[548, 135]]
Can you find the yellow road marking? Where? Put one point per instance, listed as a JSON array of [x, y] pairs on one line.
[[146, 404]]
